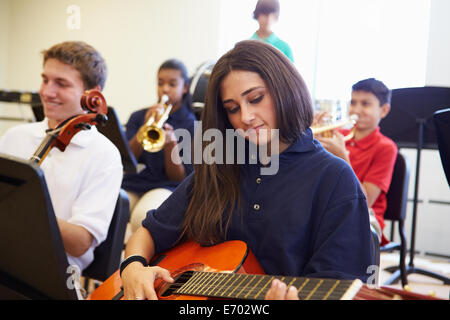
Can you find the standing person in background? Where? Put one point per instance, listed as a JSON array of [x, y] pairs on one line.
[[267, 13], [151, 186]]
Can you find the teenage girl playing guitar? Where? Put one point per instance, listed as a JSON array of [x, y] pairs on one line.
[[307, 218]]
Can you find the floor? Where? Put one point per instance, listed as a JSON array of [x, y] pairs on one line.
[[418, 283]]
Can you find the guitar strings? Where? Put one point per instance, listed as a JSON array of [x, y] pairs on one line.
[[203, 282]]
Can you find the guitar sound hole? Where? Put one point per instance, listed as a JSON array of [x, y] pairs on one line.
[[170, 288]]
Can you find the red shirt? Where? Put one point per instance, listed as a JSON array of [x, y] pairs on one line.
[[372, 159]]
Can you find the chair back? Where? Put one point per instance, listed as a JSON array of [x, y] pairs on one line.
[[375, 246], [397, 195], [442, 123], [107, 254]]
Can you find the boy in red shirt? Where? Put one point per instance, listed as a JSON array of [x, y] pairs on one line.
[[371, 154]]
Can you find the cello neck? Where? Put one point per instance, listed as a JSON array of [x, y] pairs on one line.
[[45, 146]]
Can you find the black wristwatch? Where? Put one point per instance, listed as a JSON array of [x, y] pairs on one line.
[[131, 259]]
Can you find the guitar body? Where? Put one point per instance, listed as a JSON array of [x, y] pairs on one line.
[[229, 270], [231, 256]]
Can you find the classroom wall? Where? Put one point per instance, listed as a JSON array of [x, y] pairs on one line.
[[438, 61], [4, 35], [433, 210], [134, 36]]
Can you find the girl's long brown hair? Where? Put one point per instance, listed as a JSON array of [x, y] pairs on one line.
[[216, 189]]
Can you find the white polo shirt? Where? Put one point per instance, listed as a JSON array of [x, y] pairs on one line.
[[83, 181]]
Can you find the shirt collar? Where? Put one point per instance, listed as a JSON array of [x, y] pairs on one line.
[[269, 39], [81, 139], [180, 114], [367, 141], [303, 144]]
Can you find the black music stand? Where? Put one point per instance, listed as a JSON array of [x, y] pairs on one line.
[[23, 97], [410, 125], [114, 132], [33, 263]]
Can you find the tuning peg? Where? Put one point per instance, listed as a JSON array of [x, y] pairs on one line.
[[101, 118], [83, 126]]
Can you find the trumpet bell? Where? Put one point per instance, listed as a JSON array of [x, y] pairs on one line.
[[151, 138], [327, 130]]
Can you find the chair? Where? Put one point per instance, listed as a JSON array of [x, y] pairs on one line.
[[397, 197], [442, 123], [375, 249], [107, 254]]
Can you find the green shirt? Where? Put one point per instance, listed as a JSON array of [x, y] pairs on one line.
[[277, 43]]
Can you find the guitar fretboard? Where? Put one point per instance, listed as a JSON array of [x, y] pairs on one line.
[[254, 287]]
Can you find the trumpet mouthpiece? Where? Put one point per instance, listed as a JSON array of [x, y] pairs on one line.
[[164, 99], [354, 118]]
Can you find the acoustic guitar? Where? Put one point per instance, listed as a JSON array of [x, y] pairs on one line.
[[229, 270]]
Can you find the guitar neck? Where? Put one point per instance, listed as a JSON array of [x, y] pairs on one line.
[[254, 287]]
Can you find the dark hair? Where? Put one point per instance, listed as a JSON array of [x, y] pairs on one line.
[[216, 189], [175, 64], [376, 87], [84, 58], [266, 7], [290, 94]]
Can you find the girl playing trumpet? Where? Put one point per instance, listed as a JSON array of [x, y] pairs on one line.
[[151, 186]]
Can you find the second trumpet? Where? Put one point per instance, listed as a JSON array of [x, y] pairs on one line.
[[151, 135], [327, 130]]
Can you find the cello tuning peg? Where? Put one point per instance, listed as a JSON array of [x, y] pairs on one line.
[[101, 118], [83, 126]]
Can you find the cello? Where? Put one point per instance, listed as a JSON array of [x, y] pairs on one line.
[[94, 103]]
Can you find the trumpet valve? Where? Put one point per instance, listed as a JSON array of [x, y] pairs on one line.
[[151, 135]]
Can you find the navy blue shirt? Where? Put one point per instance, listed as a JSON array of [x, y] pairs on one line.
[[310, 219], [154, 174]]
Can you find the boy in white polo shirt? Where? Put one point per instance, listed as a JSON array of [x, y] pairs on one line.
[[84, 180]]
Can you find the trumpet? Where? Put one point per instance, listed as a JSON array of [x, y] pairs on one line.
[[327, 130], [151, 135]]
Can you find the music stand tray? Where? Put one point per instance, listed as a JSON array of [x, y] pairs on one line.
[[114, 132], [33, 262]]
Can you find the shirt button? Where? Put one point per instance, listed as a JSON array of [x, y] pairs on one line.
[[352, 144], [258, 180], [256, 206]]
